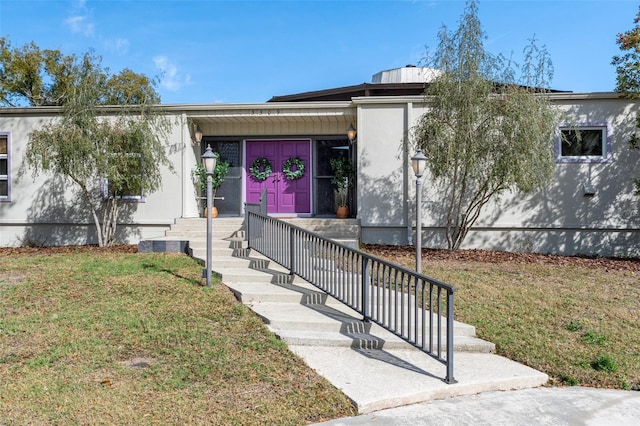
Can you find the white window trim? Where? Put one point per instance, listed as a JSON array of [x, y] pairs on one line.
[[104, 193], [104, 190], [606, 156], [7, 177]]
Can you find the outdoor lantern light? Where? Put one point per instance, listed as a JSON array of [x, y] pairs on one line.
[[209, 162], [198, 135], [351, 133], [419, 163]]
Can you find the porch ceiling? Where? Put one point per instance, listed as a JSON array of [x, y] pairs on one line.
[[274, 119], [275, 113]]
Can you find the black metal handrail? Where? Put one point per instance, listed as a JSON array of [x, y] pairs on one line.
[[260, 206], [414, 307]]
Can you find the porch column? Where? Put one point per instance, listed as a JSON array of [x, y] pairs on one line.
[[190, 157]]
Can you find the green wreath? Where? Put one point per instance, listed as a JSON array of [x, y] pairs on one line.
[[260, 169], [293, 174]]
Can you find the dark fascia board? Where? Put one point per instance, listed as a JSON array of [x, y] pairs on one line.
[[346, 93]]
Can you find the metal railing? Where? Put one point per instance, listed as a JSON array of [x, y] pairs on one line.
[[414, 307], [259, 207]]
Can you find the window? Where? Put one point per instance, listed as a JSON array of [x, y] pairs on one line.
[[5, 192], [229, 195], [584, 143], [129, 186], [325, 194]]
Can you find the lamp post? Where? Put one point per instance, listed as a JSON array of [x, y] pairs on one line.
[[418, 163], [209, 162]]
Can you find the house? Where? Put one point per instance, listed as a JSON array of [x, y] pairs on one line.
[[589, 209]]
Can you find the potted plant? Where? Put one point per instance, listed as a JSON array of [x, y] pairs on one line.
[[343, 175], [200, 179]]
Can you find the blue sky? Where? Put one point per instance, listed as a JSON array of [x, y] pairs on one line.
[[248, 51]]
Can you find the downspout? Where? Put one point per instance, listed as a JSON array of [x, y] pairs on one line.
[[406, 180]]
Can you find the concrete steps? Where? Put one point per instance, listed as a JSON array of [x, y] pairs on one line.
[[277, 297], [194, 229], [373, 367], [370, 339], [344, 230], [328, 322]]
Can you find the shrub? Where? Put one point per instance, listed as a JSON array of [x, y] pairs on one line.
[[568, 380], [574, 326], [604, 363], [593, 338]]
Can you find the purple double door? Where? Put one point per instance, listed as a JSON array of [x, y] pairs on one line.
[[284, 195]]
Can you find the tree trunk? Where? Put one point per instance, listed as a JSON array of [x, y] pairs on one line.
[[94, 211], [111, 209]]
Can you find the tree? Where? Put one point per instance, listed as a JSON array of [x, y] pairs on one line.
[[108, 153], [128, 87], [628, 75], [35, 77], [484, 134]]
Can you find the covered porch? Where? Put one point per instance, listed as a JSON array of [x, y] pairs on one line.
[[277, 135]]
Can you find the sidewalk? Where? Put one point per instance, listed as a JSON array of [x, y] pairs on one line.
[[540, 406]]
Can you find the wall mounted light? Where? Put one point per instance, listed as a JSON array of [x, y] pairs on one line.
[[197, 135], [351, 133], [588, 189]]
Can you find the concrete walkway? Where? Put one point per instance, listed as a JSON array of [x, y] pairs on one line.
[[389, 381], [540, 406]]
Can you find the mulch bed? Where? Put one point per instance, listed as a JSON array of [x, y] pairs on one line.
[[394, 252], [46, 251], [489, 256]]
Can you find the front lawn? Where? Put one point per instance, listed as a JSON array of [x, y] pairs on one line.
[[90, 336], [576, 319]]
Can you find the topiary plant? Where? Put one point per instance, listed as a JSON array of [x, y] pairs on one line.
[[343, 174]]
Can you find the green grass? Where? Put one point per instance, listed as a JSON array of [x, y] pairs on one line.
[[576, 321], [117, 338]]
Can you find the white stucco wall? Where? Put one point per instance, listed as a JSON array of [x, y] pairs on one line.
[[47, 210], [381, 165], [559, 219]]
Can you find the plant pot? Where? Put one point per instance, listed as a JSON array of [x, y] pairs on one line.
[[342, 212], [214, 212]]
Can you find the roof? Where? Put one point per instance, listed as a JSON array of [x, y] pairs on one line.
[[346, 93]]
